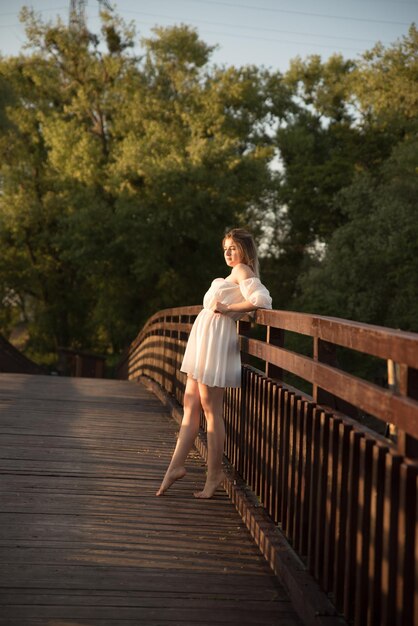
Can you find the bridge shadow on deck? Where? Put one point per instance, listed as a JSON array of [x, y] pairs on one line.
[[83, 539]]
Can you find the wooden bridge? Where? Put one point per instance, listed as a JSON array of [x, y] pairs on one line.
[[84, 540], [330, 501]]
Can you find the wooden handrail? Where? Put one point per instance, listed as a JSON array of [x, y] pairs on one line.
[[386, 343], [397, 406], [344, 496]]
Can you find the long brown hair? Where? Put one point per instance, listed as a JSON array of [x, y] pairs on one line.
[[246, 246]]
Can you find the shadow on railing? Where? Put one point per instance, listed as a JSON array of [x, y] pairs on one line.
[[344, 495]]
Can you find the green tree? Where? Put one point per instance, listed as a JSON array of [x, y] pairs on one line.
[[384, 83], [370, 269], [197, 137], [317, 145], [342, 124], [55, 207], [119, 176]]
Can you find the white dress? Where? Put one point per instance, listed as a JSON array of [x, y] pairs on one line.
[[212, 353]]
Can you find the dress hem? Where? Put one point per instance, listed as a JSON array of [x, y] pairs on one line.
[[198, 380]]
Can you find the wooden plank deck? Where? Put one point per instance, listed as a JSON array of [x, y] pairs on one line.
[[83, 539]]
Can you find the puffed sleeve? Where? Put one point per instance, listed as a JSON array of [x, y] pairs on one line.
[[254, 291]]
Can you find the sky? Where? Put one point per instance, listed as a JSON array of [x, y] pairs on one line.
[[266, 33]]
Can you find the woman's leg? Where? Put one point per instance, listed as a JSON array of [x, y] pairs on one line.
[[188, 432], [212, 403]]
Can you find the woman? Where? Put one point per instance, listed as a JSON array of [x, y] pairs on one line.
[[212, 358]]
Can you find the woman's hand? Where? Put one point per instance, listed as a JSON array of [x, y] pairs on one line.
[[218, 307]]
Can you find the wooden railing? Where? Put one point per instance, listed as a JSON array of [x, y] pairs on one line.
[[344, 495]]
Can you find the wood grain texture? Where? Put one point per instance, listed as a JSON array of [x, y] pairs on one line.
[[84, 540]]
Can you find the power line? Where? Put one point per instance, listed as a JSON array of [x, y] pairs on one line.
[[15, 14], [290, 12], [238, 35], [266, 9], [251, 38], [363, 2], [254, 28]]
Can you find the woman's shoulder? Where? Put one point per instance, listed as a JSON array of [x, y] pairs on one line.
[[242, 272]]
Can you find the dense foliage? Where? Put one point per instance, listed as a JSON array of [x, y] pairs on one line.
[[119, 176]]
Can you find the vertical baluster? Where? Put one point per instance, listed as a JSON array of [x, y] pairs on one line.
[[231, 436], [259, 417], [267, 445], [162, 353], [281, 400], [313, 496], [167, 355], [291, 486], [363, 530], [298, 493], [376, 533], [405, 583], [389, 539], [169, 359], [285, 458], [306, 477], [275, 460], [253, 432], [244, 423], [331, 503], [322, 495], [237, 427], [352, 522], [245, 403], [252, 421], [342, 495], [232, 428], [226, 421]]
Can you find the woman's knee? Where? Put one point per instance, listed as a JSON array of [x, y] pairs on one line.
[[206, 400], [211, 400], [191, 398]]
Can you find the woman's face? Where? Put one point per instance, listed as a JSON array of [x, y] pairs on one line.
[[231, 253]]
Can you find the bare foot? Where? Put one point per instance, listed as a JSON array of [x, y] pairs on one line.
[[211, 486], [171, 475]]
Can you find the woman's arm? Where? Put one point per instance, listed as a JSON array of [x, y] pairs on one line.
[[255, 294], [241, 307], [239, 272]]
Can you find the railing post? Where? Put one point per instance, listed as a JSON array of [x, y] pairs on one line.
[[244, 329], [324, 352], [407, 386], [179, 390], [275, 337]]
